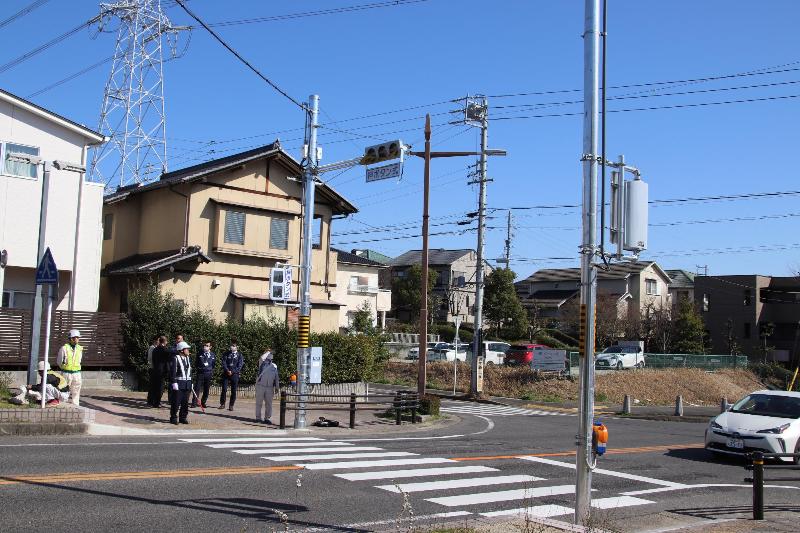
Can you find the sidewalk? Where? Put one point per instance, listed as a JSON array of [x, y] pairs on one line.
[[126, 412]]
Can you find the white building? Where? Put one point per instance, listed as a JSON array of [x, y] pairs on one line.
[[357, 284], [73, 204]]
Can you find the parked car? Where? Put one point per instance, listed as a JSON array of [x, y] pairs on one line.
[[763, 421], [447, 352], [413, 353], [620, 356], [522, 354], [493, 351]]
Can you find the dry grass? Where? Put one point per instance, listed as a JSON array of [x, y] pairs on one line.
[[649, 386]]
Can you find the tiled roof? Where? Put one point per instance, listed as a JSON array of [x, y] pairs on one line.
[[436, 256], [353, 259], [615, 271], [680, 279], [153, 262]]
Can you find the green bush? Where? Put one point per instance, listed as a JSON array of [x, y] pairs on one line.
[[346, 358], [447, 332], [429, 405], [772, 371]]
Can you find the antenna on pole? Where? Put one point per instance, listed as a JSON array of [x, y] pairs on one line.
[[133, 113]]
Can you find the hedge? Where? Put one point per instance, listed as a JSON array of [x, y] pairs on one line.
[[346, 358]]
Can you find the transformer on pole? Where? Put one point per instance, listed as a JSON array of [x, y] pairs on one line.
[[133, 112]]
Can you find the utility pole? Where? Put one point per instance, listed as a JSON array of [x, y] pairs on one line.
[[508, 239], [304, 321], [584, 460], [423, 301], [480, 113]]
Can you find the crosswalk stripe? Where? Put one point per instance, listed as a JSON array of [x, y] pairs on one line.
[[276, 444], [284, 451], [415, 472], [500, 411], [546, 511], [619, 501], [459, 483], [253, 439], [314, 457], [502, 496], [370, 464]]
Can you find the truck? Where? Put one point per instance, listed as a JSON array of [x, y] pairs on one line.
[[624, 354]]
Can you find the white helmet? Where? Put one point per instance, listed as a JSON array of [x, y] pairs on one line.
[[74, 333], [268, 355], [43, 365], [182, 346]]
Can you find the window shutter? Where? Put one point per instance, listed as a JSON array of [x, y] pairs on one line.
[[234, 227], [279, 234]]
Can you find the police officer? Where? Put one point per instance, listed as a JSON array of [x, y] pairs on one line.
[[232, 363], [206, 360], [180, 373], [161, 358], [267, 386], [69, 360]]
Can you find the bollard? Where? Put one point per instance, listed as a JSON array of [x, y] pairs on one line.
[[283, 410], [352, 410], [414, 404], [626, 405], [397, 408], [723, 405], [679, 406], [758, 486]]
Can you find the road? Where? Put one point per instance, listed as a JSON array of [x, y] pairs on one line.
[[493, 462]]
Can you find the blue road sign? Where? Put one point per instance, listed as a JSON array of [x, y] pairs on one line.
[[46, 272]]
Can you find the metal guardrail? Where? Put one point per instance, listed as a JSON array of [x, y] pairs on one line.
[[399, 402], [680, 360], [757, 466]]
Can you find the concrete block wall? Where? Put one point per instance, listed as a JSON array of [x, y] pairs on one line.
[[91, 379]]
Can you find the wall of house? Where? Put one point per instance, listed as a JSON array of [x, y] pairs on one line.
[[21, 197], [162, 215], [354, 297], [638, 288]]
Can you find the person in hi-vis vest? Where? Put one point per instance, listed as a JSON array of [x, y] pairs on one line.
[[69, 361], [180, 377]]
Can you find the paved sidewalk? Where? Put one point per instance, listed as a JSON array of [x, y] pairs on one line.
[[121, 411]]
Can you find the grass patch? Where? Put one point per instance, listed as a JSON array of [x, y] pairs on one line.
[[601, 397], [536, 397]]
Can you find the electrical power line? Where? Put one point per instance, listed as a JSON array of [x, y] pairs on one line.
[[22, 12], [71, 77]]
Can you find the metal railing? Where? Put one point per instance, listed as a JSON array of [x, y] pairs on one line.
[[679, 360], [399, 402], [757, 466]]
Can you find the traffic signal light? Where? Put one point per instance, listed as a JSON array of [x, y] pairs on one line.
[[382, 152]]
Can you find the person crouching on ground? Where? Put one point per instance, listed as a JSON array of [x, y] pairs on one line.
[[267, 385], [180, 373]]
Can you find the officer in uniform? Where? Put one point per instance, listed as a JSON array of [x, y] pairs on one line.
[[69, 360], [180, 377], [205, 368], [232, 363]]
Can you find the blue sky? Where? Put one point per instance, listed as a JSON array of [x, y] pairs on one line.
[[381, 60]]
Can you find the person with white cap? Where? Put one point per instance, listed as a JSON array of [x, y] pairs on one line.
[[69, 361], [267, 385], [180, 378]]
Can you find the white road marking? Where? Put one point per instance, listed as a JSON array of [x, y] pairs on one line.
[[252, 439], [702, 486], [536, 511], [275, 444], [616, 502], [452, 514], [416, 472], [498, 410], [612, 473], [502, 496], [370, 464], [284, 451], [314, 457], [459, 483]]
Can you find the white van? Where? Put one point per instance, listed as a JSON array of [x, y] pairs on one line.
[[494, 351]]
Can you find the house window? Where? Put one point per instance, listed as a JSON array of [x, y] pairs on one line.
[[316, 233], [279, 234], [747, 298], [706, 302], [19, 168], [18, 299], [746, 330], [108, 226], [234, 227], [651, 287]]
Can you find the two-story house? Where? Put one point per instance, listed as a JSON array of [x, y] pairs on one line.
[[357, 284], [31, 138], [211, 233], [454, 289], [635, 287]]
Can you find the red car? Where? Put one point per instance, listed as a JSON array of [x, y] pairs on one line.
[[522, 354]]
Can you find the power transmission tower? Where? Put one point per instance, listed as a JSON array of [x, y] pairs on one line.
[[509, 236], [133, 113]]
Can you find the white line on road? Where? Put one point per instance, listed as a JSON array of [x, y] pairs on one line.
[[416, 472], [315, 457], [459, 483], [276, 444], [253, 439], [702, 486], [284, 451], [535, 511], [616, 502], [370, 464], [503, 495], [612, 473]]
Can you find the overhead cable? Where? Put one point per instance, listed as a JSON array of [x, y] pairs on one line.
[[22, 12]]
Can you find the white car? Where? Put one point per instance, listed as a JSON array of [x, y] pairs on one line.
[[619, 357], [494, 352], [413, 353], [763, 421], [447, 352]]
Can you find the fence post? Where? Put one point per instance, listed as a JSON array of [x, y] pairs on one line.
[[414, 404], [679, 406], [758, 486], [283, 410], [626, 405], [397, 408], [723, 405], [352, 410]]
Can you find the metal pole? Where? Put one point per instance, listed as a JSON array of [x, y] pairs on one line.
[[36, 321], [423, 304], [304, 321], [73, 276], [455, 360], [508, 240], [583, 483], [47, 338], [477, 351], [758, 486]]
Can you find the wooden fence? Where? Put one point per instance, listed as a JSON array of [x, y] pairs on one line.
[[101, 337]]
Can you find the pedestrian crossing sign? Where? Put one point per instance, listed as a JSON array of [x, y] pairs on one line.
[[46, 272]]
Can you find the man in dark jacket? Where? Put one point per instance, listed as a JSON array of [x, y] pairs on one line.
[[232, 363], [158, 372], [205, 368], [180, 377]]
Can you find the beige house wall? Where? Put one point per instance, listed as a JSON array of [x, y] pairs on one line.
[[354, 298]]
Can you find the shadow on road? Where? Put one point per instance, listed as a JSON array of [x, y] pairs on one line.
[[743, 511], [704, 456]]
